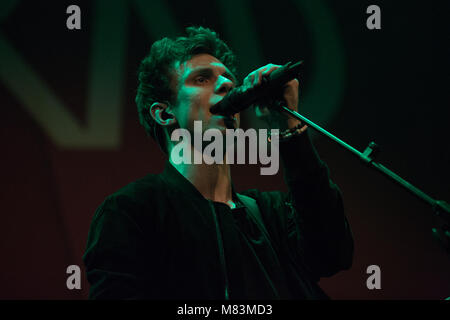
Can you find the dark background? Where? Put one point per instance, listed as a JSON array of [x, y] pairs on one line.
[[388, 85]]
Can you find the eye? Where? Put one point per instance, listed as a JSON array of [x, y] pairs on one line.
[[201, 79]]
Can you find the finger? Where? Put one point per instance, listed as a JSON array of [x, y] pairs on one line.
[[266, 71], [248, 80], [260, 73], [255, 77], [245, 82], [294, 83], [269, 70]]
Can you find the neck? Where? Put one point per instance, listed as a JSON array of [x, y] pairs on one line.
[[213, 181]]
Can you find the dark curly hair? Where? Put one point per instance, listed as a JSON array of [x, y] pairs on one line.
[[157, 68]]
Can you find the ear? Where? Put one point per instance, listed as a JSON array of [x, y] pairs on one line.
[[161, 114]]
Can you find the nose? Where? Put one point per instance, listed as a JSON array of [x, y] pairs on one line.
[[224, 85]]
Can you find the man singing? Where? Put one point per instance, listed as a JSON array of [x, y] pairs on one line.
[[186, 233]]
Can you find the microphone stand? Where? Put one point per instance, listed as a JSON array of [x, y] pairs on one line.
[[440, 208]]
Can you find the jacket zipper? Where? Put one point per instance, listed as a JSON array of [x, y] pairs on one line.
[[221, 251]]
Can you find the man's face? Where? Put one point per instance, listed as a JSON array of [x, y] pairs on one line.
[[202, 82]]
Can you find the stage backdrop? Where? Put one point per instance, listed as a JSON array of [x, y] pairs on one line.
[[70, 134]]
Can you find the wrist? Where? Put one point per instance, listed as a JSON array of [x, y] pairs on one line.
[[289, 133], [292, 123]]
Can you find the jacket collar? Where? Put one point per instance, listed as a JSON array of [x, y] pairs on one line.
[[183, 187]]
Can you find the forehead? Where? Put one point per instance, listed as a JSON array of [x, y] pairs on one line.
[[199, 61]]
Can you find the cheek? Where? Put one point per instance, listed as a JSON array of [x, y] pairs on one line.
[[193, 105]]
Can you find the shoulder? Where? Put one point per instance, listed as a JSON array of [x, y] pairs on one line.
[[132, 202], [141, 187]]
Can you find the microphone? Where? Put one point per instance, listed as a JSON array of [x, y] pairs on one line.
[[270, 87]]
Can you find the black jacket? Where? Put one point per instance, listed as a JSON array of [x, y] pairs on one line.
[[159, 238]]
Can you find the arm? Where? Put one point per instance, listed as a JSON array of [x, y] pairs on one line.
[[317, 229]]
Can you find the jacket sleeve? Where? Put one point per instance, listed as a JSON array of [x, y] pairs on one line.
[[113, 254], [317, 229]]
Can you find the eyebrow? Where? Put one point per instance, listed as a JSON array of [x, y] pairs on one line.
[[209, 71]]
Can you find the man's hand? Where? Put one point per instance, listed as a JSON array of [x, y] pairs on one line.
[[290, 95]]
